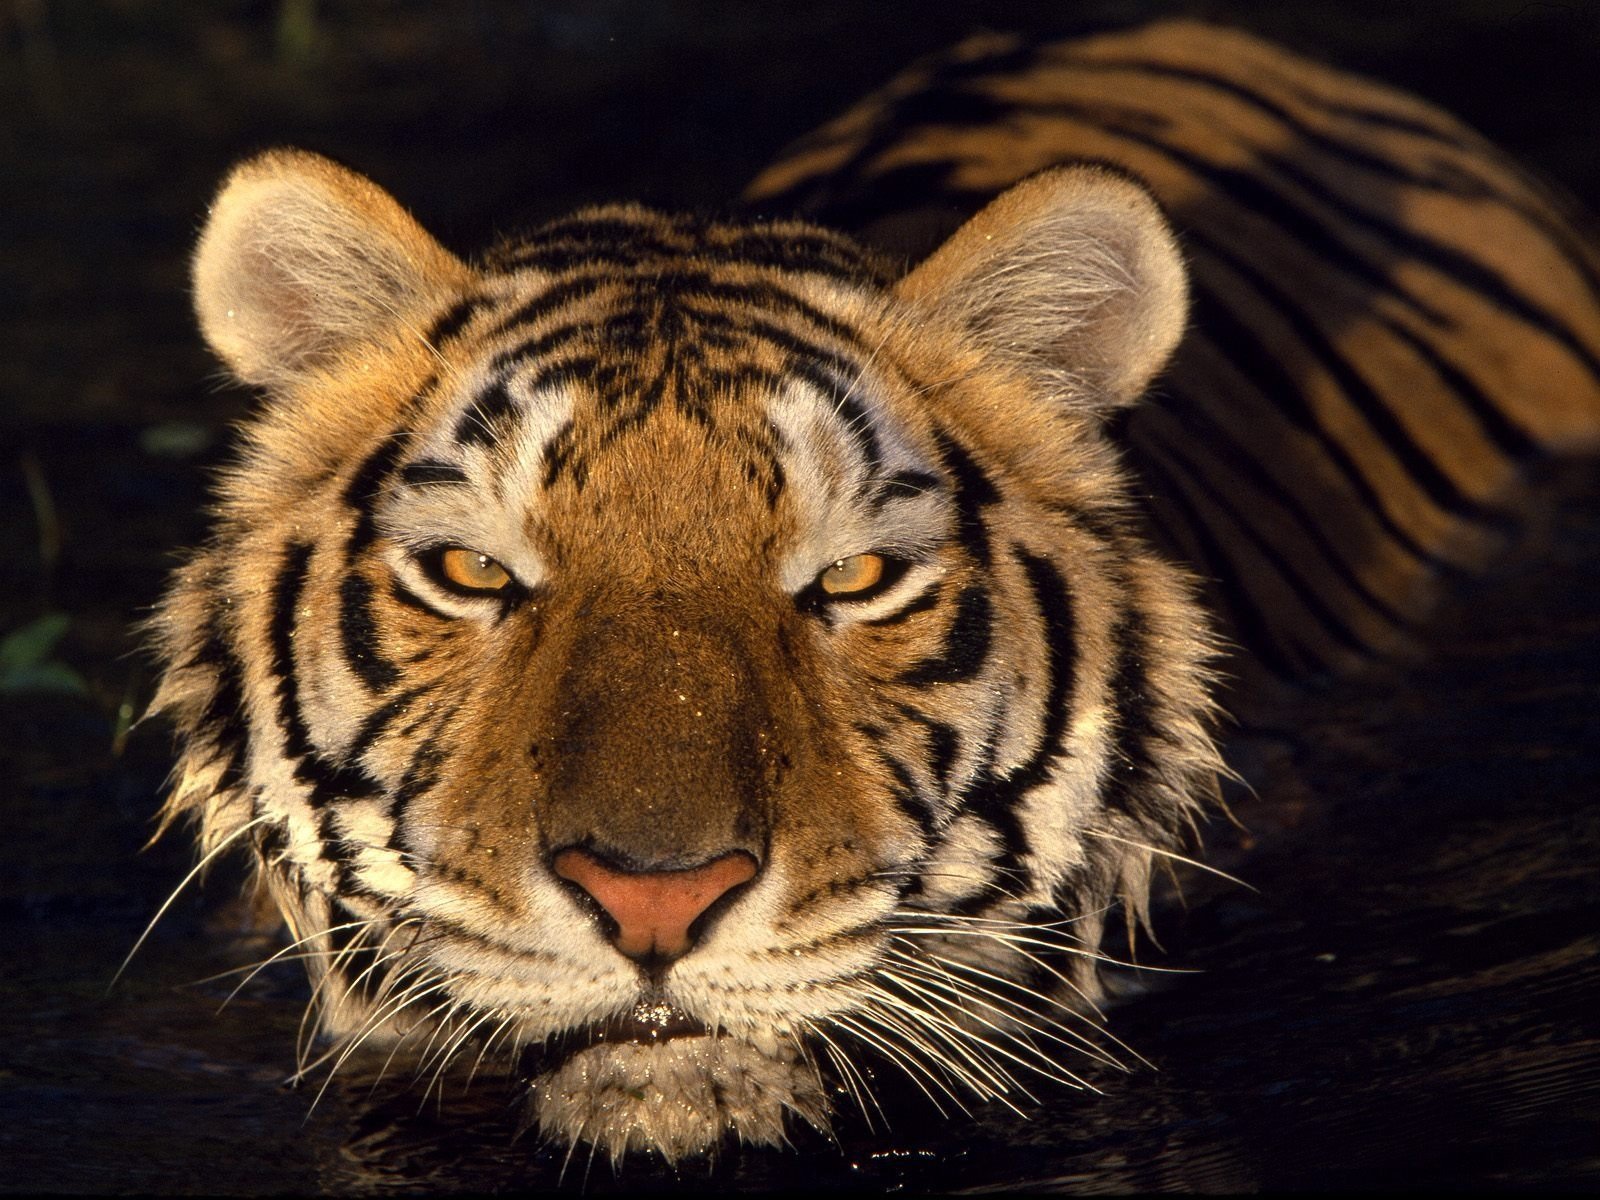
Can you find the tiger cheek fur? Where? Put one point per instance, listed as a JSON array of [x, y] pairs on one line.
[[680, 654]]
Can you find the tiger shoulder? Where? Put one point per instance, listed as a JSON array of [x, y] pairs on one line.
[[700, 664]]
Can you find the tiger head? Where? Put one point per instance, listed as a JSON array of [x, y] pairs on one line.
[[687, 655]]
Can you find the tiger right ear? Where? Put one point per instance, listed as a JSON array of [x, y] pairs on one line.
[[1074, 275], [302, 260]]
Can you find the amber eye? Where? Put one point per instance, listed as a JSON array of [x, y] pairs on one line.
[[853, 575], [471, 570]]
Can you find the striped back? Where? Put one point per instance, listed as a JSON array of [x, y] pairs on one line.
[[1392, 322]]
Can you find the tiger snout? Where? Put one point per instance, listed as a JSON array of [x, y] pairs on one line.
[[660, 740]]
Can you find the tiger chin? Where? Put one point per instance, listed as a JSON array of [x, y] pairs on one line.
[[686, 660]]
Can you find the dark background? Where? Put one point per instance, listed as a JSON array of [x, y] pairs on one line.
[[1412, 997]]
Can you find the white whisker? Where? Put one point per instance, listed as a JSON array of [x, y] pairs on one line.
[[177, 891]]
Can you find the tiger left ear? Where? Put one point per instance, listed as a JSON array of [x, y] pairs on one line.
[[302, 260], [1075, 273]]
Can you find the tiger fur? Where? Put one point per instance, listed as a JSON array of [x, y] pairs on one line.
[[685, 656], [1394, 326]]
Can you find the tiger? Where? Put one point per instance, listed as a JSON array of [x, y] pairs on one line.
[[704, 661]]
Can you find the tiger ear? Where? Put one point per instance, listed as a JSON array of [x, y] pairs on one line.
[[1074, 271], [301, 260]]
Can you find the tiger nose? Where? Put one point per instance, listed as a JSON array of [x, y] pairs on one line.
[[654, 910]]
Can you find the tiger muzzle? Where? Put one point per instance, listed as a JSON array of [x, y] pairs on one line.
[[659, 804]]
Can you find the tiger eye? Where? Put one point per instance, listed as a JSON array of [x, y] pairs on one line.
[[854, 574], [471, 570]]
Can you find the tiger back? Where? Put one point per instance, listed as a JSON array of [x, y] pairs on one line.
[[683, 660], [1394, 325]]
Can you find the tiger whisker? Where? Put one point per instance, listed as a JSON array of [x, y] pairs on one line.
[[1210, 870], [452, 1048], [505, 1023], [394, 1051], [283, 955], [441, 1027], [900, 1058], [440, 1059], [1097, 1022], [177, 891], [1012, 1010], [373, 1024], [971, 1046], [382, 956], [850, 1074], [962, 1061], [890, 1012], [331, 972], [1018, 945], [1016, 1016]]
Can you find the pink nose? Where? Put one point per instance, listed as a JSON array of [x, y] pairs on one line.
[[654, 909]]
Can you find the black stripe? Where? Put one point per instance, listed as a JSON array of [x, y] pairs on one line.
[[286, 593], [1310, 596], [1448, 260], [552, 298], [328, 781], [557, 452], [379, 720], [687, 286], [611, 234], [493, 407], [1258, 196], [454, 319], [966, 645], [1239, 187], [1493, 420], [1389, 119], [793, 249], [576, 368], [223, 717], [419, 474], [944, 744], [404, 595], [1350, 152], [927, 598], [1369, 403], [1053, 602], [973, 491], [626, 247], [358, 634], [1136, 124], [653, 290], [1128, 783], [421, 776], [362, 492], [1237, 343], [1250, 624], [998, 799], [1219, 442], [942, 101], [757, 294], [909, 798], [538, 345], [903, 484], [859, 427]]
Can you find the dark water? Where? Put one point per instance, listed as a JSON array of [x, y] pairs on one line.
[[1411, 995]]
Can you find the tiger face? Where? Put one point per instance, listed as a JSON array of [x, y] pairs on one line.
[[685, 656]]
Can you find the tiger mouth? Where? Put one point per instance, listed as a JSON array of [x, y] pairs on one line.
[[650, 1022]]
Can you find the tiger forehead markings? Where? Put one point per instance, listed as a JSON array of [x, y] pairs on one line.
[[683, 660]]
